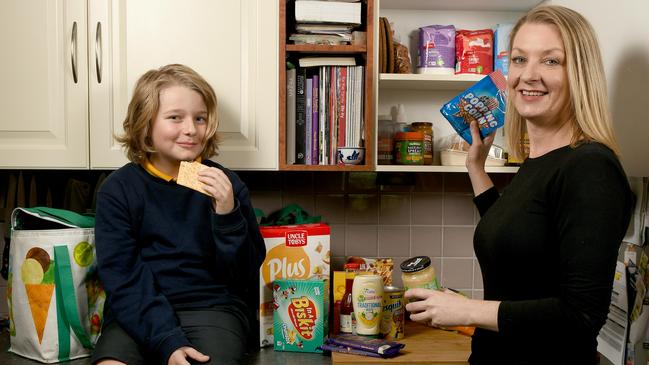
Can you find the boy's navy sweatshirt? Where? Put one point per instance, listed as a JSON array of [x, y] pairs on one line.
[[161, 248]]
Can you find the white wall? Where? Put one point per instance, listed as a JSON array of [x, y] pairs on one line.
[[622, 28]]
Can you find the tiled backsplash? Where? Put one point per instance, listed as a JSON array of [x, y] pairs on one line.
[[396, 215], [387, 215]]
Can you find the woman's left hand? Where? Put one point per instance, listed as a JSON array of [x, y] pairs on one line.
[[437, 308], [218, 185]]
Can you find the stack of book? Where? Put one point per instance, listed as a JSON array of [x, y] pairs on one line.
[[325, 22], [324, 109]]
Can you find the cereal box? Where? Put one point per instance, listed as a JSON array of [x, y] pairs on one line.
[[292, 252], [301, 314]]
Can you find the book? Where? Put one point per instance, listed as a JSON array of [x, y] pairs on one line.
[[327, 61], [310, 11], [290, 114], [308, 122], [315, 129], [300, 116]]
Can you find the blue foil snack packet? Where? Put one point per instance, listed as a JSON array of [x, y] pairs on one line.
[[483, 102], [361, 345]]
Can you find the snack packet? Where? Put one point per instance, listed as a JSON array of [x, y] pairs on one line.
[[362, 345], [483, 102]]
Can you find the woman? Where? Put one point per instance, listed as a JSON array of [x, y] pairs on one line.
[[548, 245]]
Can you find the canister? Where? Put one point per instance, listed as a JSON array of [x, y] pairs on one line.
[[393, 317], [409, 148], [427, 129]]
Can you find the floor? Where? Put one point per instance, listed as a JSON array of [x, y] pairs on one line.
[[265, 356]]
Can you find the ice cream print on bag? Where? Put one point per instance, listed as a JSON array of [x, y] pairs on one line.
[[54, 294]]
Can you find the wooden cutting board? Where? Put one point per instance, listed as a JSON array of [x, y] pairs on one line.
[[424, 345]]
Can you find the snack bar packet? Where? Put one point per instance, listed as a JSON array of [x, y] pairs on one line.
[[347, 350], [369, 345], [483, 102]]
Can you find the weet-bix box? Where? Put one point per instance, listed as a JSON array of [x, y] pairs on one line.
[[300, 320], [292, 252]]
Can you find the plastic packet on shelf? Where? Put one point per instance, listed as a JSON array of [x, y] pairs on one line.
[[361, 345], [483, 102]]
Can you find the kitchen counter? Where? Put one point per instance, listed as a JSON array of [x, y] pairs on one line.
[[265, 356], [424, 345]]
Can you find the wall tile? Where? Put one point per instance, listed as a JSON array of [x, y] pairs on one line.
[[361, 240], [337, 263], [331, 207], [458, 209], [306, 201], [329, 182], [394, 241], [337, 241], [457, 183], [477, 275], [457, 273], [362, 208], [426, 241], [426, 182], [394, 209], [427, 208], [361, 182], [297, 181], [267, 201], [396, 272], [457, 242]]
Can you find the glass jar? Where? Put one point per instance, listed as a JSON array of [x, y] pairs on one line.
[[427, 129], [385, 142], [417, 272], [409, 148]]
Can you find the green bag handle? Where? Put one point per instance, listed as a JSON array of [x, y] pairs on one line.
[[60, 216], [66, 304], [290, 214]]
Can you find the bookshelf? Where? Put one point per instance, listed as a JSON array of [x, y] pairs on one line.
[[364, 54]]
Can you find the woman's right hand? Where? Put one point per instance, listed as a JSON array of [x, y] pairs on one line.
[[179, 357], [479, 149]]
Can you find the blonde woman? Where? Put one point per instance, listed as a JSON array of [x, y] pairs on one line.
[[180, 267], [547, 245]]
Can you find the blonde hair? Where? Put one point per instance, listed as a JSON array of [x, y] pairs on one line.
[[588, 100], [145, 103]]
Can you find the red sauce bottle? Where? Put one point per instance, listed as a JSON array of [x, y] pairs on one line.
[[347, 320]]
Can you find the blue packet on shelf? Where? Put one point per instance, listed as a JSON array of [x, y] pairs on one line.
[[483, 102], [362, 345]]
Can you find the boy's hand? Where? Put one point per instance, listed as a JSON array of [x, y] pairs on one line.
[[179, 357], [216, 183]]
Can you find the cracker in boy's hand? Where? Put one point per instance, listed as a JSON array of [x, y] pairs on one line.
[[188, 175]]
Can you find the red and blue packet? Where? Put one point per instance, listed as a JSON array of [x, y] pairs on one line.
[[483, 102]]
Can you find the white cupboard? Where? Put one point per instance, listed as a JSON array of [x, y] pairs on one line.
[[233, 44]]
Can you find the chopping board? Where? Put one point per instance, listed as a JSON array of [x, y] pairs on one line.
[[424, 345]]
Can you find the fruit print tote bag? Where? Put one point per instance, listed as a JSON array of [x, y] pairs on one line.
[[53, 291]]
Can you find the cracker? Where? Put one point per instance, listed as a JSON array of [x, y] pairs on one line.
[[188, 175]]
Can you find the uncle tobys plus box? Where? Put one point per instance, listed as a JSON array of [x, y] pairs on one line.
[[301, 314], [292, 252]]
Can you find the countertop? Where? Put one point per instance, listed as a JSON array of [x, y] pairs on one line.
[[424, 345], [265, 356]]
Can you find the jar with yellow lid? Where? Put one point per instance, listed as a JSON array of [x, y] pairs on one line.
[[417, 272], [427, 129]]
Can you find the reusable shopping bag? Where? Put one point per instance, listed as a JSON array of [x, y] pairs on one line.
[[54, 294]]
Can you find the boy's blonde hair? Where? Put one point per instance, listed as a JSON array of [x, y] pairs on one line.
[[145, 103], [590, 116]]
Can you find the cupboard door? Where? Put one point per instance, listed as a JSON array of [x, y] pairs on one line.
[[44, 121], [233, 44]]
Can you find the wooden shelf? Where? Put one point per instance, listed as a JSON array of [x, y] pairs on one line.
[[365, 56], [321, 48], [427, 81], [461, 5], [439, 168]]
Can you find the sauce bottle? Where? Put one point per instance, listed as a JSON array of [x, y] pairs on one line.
[[347, 319], [367, 299]]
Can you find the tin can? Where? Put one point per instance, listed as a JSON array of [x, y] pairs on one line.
[[392, 321]]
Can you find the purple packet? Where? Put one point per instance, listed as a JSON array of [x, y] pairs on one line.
[[367, 344], [347, 350], [483, 102]]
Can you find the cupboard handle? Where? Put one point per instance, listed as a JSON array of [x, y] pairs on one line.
[[73, 52], [98, 52]]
